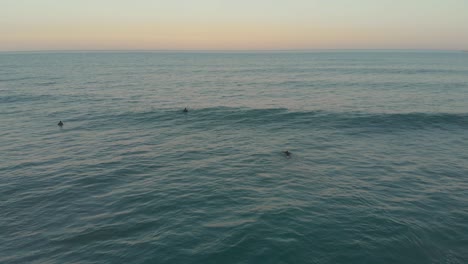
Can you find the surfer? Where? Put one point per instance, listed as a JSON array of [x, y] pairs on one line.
[[185, 110], [60, 124], [287, 153]]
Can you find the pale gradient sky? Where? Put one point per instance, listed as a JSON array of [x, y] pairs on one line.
[[233, 24]]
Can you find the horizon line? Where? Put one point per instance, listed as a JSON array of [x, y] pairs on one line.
[[221, 51]]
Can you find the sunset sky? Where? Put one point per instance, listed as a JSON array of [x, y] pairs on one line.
[[232, 25]]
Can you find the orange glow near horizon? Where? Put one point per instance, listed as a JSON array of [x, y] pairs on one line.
[[211, 25]]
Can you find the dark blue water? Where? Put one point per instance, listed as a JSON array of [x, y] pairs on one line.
[[378, 172]]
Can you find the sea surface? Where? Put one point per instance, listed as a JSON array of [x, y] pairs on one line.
[[378, 171]]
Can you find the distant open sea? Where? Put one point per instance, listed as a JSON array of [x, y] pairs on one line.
[[378, 171]]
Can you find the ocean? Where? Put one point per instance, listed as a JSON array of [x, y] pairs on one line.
[[378, 171]]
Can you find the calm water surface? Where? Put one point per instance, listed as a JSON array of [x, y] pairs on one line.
[[378, 174]]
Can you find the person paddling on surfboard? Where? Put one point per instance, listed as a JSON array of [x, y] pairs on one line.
[[287, 153], [60, 124]]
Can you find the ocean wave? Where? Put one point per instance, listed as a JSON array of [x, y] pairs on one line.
[[17, 79], [46, 83], [24, 98], [280, 118]]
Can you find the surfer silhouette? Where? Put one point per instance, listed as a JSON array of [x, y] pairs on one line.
[[60, 124]]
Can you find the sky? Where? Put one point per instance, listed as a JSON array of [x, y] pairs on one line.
[[233, 24]]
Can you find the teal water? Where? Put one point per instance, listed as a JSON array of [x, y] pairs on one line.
[[378, 172]]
